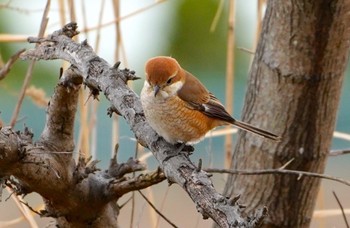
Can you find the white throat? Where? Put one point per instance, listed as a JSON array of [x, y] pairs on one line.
[[164, 93]]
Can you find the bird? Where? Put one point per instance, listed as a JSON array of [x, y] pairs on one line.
[[180, 108]]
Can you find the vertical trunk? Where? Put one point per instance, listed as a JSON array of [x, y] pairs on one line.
[[294, 89]]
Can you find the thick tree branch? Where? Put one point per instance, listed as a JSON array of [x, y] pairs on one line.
[[48, 168], [58, 131], [178, 168]]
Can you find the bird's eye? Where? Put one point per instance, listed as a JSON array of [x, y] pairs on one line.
[[169, 81]]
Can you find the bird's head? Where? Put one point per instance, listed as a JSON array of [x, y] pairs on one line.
[[164, 75]]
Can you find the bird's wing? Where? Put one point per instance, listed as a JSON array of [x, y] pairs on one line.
[[197, 97]]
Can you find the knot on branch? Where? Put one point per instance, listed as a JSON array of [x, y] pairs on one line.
[[13, 146], [129, 74], [110, 111], [69, 30]]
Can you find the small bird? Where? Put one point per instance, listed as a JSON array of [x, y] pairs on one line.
[[179, 107]]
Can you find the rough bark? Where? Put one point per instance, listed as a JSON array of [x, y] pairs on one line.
[[90, 195], [294, 90]]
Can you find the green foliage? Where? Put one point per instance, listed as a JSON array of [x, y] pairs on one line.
[[193, 43]]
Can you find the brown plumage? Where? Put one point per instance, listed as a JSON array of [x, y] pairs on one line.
[[179, 107]]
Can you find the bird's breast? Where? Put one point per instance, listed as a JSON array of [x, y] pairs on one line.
[[174, 120]]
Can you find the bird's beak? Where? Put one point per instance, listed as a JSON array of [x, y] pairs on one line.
[[156, 89]]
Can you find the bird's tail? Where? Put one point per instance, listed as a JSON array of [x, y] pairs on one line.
[[255, 130]]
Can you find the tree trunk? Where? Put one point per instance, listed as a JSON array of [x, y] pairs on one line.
[[294, 90]]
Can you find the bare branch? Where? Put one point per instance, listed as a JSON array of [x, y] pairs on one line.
[[246, 50], [28, 76], [339, 152], [178, 168], [300, 174], [30, 208], [63, 106], [117, 170], [156, 210], [123, 186], [132, 165], [341, 208], [6, 69]]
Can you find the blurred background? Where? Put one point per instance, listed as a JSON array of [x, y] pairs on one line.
[[193, 32]]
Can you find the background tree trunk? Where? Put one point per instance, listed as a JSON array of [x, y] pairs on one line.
[[294, 89]]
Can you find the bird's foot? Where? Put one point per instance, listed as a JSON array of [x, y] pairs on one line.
[[183, 147], [180, 148]]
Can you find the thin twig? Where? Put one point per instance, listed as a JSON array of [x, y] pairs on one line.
[[18, 9], [133, 192], [217, 16], [162, 205], [99, 24], [277, 171], [12, 222], [230, 76], [95, 105], [124, 17], [118, 41], [28, 76], [341, 135], [329, 213], [51, 152], [30, 208], [246, 50], [126, 202], [152, 214], [342, 209], [12, 38], [84, 142], [339, 152], [259, 14], [72, 11], [156, 210], [62, 12], [4, 71], [286, 164], [24, 210]]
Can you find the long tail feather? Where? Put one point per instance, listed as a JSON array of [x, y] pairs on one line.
[[255, 130]]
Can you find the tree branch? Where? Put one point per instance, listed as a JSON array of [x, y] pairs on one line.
[[58, 131], [48, 168], [178, 168], [156, 210], [298, 173], [342, 209], [137, 183], [7, 67]]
